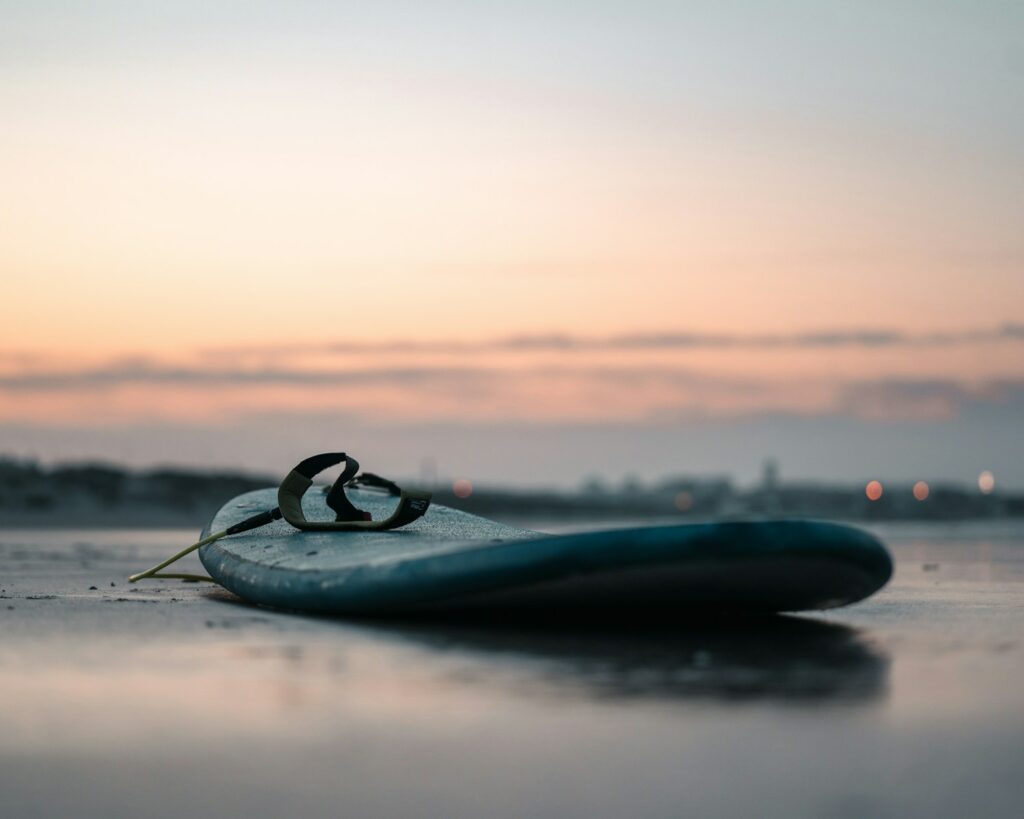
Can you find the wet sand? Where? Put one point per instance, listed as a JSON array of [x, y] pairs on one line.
[[169, 698]]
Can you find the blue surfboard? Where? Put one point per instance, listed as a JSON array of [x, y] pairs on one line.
[[450, 560]]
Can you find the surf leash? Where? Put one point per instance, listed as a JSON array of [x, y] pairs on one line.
[[412, 505]]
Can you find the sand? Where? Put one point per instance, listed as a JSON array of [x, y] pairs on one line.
[[172, 699]]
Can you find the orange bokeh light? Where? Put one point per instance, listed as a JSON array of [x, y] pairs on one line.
[[921, 490], [986, 482], [462, 488], [683, 501], [873, 490]]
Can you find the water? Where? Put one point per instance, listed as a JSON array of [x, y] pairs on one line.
[[174, 698]]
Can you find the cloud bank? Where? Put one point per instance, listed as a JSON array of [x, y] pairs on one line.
[[559, 342], [469, 386], [540, 393]]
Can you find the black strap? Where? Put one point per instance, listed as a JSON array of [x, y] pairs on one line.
[[370, 481], [338, 500], [411, 504]]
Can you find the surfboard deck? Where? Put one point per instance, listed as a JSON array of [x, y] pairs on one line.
[[450, 560]]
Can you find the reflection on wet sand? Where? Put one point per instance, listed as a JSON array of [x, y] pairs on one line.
[[170, 699], [787, 659]]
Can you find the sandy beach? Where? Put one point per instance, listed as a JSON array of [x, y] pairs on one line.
[[170, 698]]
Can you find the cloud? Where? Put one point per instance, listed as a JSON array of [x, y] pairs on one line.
[[926, 399], [558, 387], [132, 373], [141, 372], [933, 399], [564, 392], [559, 342]]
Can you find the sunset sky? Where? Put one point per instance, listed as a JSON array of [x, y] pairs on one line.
[[523, 242]]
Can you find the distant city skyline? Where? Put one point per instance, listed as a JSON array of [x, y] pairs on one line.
[[832, 450]]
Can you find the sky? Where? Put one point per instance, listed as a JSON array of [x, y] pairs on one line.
[[520, 243]]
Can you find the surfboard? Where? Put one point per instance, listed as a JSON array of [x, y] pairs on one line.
[[450, 560]]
